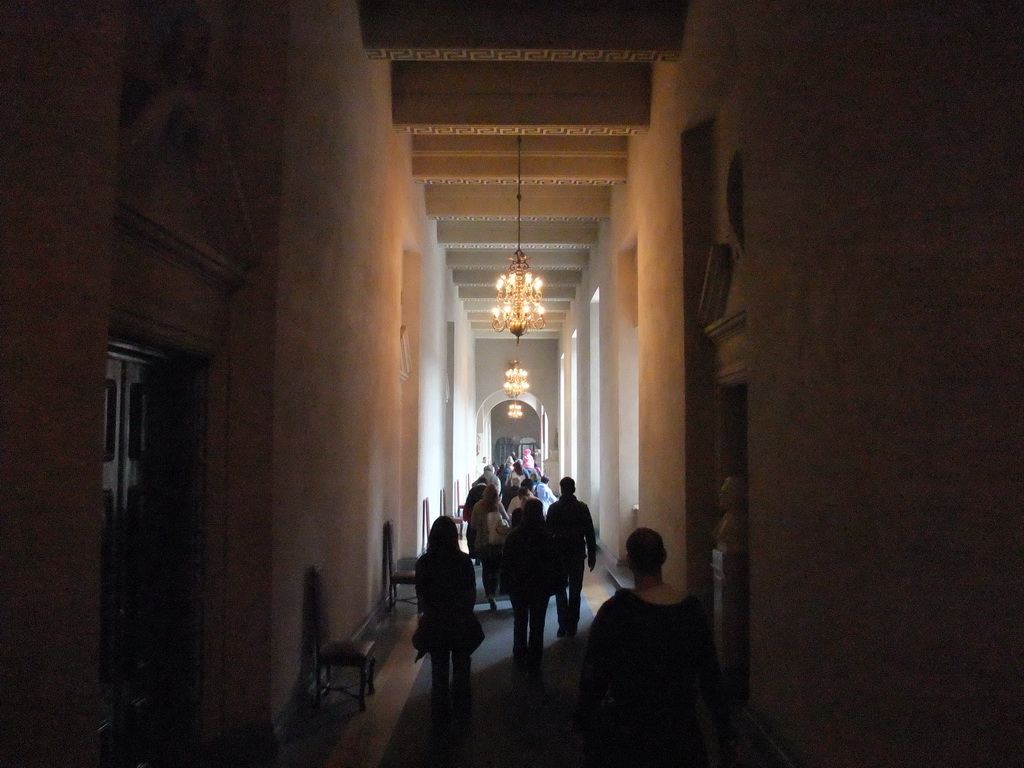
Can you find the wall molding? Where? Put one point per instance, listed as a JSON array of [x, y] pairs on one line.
[[429, 129], [521, 54], [213, 267]]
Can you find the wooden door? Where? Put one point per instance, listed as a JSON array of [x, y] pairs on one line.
[[149, 664]]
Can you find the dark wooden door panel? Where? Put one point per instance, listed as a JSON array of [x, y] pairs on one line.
[[150, 603]]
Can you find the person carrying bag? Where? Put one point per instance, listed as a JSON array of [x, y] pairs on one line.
[[491, 526], [448, 629]]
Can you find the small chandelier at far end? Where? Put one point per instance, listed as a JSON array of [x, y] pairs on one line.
[[515, 410], [515, 380]]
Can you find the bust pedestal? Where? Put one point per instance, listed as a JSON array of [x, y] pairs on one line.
[[732, 618]]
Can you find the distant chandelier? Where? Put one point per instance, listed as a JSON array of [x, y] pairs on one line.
[[518, 308], [515, 410], [515, 380]]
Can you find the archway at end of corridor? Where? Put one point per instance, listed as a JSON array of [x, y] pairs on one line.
[[539, 443]]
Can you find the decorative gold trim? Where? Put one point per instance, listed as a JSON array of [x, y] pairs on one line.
[[549, 182], [588, 219], [728, 326], [512, 246], [517, 130], [729, 337], [717, 279], [405, 356], [520, 54]]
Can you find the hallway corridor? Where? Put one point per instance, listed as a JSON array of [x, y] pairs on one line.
[[517, 722], [250, 266]]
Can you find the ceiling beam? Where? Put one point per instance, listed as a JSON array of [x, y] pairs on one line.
[[479, 258], [531, 96], [590, 201], [400, 28], [488, 277], [552, 292], [568, 234], [578, 160]]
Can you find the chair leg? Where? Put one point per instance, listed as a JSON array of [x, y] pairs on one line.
[[362, 687], [373, 666]]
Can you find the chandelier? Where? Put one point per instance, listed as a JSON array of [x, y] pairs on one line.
[[515, 380], [518, 304], [515, 410]]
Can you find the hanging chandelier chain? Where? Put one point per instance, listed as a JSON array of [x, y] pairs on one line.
[[519, 292], [519, 193]]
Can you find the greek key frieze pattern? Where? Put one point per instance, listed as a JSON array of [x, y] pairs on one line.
[[524, 130], [588, 219], [511, 246], [531, 182], [515, 54]]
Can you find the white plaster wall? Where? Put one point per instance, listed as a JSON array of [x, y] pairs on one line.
[[433, 372], [464, 391], [653, 183], [345, 223]]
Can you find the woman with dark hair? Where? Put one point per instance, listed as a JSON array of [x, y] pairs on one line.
[[532, 570], [649, 653], [448, 629]]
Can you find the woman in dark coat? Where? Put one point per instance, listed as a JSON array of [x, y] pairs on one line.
[[532, 571], [448, 629]]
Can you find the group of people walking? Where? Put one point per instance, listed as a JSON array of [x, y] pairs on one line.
[[648, 649], [530, 558]]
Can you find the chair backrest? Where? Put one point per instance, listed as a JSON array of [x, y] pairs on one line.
[[389, 550], [316, 616], [425, 523]]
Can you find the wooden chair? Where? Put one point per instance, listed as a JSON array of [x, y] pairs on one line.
[[456, 513], [396, 577], [356, 654]]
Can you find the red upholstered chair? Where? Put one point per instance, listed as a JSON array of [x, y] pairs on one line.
[[328, 655], [396, 577]]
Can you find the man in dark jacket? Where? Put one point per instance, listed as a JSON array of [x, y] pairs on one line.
[[569, 521], [531, 569]]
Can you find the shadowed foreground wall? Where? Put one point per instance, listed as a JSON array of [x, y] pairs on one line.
[[885, 313], [57, 210], [884, 317]]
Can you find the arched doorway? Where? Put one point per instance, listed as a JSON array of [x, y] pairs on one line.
[[532, 434]]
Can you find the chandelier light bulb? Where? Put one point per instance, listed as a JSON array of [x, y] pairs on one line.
[[518, 291], [516, 380]]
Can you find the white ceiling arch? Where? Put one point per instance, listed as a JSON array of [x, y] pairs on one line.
[[496, 398]]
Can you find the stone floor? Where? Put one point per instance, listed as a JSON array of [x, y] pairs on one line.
[[518, 722]]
